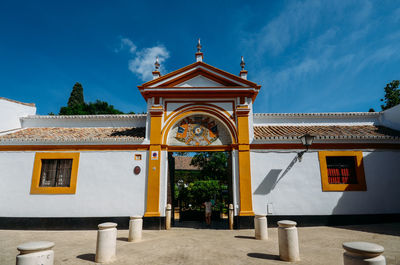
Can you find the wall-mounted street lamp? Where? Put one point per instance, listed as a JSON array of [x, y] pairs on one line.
[[306, 140]]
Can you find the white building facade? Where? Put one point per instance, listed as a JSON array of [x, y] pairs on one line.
[[75, 171]]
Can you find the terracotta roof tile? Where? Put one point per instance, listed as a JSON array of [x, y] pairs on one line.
[[331, 131], [76, 134], [19, 102], [183, 163]]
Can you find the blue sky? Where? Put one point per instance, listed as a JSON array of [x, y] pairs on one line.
[[309, 56]]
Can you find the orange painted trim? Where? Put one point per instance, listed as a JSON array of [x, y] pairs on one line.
[[209, 148], [212, 94], [360, 174], [318, 146], [246, 213], [200, 103], [153, 183], [245, 194], [152, 214], [37, 168], [73, 147], [195, 110], [207, 66]]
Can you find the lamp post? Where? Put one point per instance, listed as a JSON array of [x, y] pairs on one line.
[[306, 140]]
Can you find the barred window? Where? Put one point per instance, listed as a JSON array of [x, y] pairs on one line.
[[341, 169], [55, 173]]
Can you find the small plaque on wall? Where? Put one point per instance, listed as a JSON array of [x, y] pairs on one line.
[[137, 170], [138, 157], [154, 155]]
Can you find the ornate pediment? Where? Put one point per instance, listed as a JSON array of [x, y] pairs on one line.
[[199, 130], [200, 80]]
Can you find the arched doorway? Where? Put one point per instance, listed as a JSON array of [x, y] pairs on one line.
[[202, 173]]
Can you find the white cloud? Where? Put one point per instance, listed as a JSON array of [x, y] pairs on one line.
[[142, 63], [302, 19], [384, 54], [126, 43]]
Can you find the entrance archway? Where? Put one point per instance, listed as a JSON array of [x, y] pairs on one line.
[[193, 179], [204, 134]]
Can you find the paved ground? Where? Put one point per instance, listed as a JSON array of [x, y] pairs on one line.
[[318, 245]]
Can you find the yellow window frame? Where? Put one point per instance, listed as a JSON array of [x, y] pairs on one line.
[[37, 168], [360, 174]]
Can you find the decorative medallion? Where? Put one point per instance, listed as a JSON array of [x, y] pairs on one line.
[[137, 170], [197, 130]]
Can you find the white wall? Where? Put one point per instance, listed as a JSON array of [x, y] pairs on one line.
[[299, 190], [391, 117], [81, 121], [106, 186], [10, 112]]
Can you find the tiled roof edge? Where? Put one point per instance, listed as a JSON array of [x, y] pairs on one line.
[[330, 137], [94, 117], [323, 114], [88, 140], [19, 102]]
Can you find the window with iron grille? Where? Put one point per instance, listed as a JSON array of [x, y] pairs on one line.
[[341, 169], [55, 173]]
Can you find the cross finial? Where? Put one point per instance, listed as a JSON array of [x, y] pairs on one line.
[[242, 63], [198, 46], [157, 64]]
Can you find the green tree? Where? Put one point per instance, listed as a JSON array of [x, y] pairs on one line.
[[213, 165], [76, 97], [101, 107], [77, 105], [392, 95]]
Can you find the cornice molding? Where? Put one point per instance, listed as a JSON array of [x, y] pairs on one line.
[[72, 141], [86, 117], [342, 137], [322, 114]]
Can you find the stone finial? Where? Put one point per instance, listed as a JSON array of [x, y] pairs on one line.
[[243, 73], [156, 72], [242, 63], [157, 64], [199, 54]]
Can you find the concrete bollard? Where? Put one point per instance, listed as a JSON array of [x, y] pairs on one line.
[[36, 252], [363, 253], [106, 242], [288, 241], [168, 212], [135, 229], [230, 216], [260, 227]]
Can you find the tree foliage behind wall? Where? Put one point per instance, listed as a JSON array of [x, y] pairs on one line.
[[77, 105], [213, 165], [392, 95]]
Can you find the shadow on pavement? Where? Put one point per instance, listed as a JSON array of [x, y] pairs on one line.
[[392, 229], [87, 256], [215, 224], [263, 256], [122, 239], [246, 237]]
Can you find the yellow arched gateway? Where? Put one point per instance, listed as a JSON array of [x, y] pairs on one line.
[[199, 108]]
